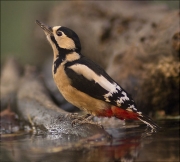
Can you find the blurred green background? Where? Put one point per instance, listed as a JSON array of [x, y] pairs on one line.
[[17, 25], [18, 22]]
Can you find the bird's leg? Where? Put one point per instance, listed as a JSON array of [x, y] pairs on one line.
[[81, 119], [90, 117], [84, 119], [78, 117]]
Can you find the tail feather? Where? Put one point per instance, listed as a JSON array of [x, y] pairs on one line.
[[149, 122], [124, 114]]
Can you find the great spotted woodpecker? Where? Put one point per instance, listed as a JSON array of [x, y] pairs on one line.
[[85, 84]]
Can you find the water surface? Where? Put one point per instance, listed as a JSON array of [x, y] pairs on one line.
[[128, 144]]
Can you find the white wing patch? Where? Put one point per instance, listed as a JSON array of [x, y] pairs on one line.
[[132, 107], [122, 99], [101, 80], [111, 92]]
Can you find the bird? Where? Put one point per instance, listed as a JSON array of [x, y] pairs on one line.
[[84, 83]]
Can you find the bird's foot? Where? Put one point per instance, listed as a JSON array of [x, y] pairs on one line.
[[77, 116], [84, 119], [80, 119]]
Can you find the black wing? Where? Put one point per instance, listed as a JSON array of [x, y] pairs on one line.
[[118, 97]]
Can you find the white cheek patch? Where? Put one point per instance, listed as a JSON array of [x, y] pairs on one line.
[[63, 41], [91, 75]]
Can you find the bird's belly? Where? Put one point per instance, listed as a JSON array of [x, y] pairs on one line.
[[83, 101]]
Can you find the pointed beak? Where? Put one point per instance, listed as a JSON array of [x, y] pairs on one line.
[[46, 29]]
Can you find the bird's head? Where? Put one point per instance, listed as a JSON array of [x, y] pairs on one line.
[[61, 38]]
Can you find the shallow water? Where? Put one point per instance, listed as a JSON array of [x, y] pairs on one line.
[[127, 144]]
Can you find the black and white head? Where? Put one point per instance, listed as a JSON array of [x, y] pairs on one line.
[[61, 38]]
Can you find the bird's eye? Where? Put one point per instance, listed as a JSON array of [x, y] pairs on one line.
[[59, 33]]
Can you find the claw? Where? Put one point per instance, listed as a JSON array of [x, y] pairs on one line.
[[74, 122]]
